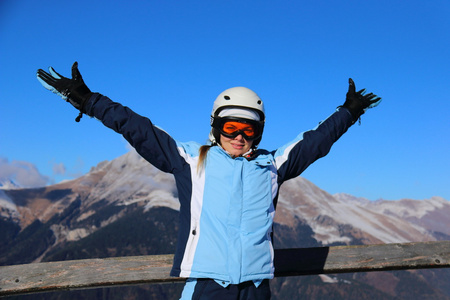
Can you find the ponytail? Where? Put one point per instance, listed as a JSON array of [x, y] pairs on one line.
[[202, 156]]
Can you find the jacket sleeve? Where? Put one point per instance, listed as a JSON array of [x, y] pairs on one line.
[[293, 158], [152, 143]]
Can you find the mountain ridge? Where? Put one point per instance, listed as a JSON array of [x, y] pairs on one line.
[[119, 179]]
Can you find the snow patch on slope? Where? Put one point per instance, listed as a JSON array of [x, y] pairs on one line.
[[8, 208]]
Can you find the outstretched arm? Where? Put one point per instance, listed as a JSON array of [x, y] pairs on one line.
[[152, 143], [293, 158]]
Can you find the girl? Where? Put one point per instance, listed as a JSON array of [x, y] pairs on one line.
[[227, 189]]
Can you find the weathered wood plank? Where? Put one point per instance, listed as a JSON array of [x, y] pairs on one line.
[[365, 258], [86, 273], [91, 273]]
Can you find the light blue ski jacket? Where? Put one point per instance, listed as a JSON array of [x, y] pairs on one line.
[[227, 204]]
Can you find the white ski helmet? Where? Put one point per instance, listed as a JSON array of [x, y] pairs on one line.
[[237, 97]]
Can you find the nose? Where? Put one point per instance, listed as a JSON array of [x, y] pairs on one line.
[[239, 137]]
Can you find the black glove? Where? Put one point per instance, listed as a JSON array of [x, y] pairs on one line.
[[72, 90], [358, 102]]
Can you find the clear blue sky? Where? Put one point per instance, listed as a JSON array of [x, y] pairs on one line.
[[168, 60]]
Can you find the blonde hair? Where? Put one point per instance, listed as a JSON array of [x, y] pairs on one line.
[[203, 152]]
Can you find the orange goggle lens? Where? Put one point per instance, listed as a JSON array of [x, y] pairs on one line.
[[233, 127]]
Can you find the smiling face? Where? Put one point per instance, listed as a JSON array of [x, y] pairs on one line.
[[236, 146]]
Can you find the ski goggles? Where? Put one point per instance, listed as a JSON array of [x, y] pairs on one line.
[[232, 127]]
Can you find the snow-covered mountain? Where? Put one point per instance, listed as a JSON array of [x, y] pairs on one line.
[[372, 222], [131, 180], [6, 183]]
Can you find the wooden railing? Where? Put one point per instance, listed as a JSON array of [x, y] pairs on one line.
[[91, 273]]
